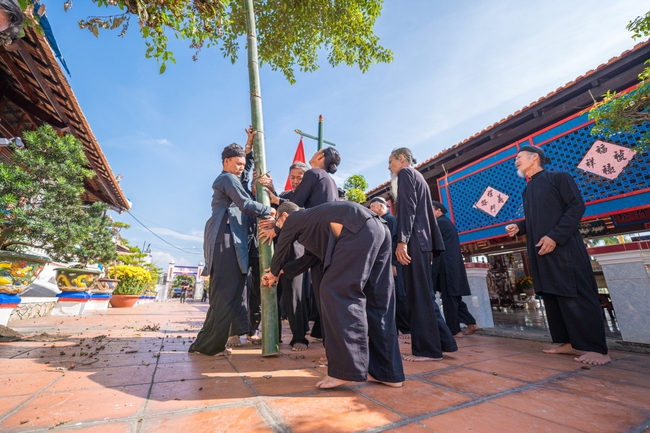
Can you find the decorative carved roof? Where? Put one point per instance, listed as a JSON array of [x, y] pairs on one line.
[[33, 91]]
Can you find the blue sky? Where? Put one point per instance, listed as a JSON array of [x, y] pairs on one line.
[[458, 68]]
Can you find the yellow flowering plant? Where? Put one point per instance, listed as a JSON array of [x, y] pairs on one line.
[[525, 282], [133, 279]]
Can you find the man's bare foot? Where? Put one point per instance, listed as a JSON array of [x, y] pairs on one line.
[[299, 347], [391, 384], [331, 382], [593, 358], [226, 352], [471, 329], [414, 358], [404, 336], [233, 341], [564, 349], [318, 340], [322, 360], [459, 335]]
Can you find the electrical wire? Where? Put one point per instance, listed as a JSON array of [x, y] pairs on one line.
[[170, 244]]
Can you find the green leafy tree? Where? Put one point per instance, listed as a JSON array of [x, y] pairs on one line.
[[290, 33], [618, 112], [40, 195], [355, 187], [137, 258]]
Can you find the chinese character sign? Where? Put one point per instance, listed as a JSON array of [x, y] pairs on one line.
[[606, 159], [491, 201]]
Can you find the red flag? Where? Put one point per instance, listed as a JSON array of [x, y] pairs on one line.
[[298, 157]]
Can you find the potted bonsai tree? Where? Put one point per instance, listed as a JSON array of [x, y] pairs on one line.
[[40, 205]]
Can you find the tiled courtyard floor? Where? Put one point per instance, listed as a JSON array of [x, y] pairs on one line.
[[113, 375]]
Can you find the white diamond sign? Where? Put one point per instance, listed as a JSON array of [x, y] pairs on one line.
[[491, 201], [606, 159]]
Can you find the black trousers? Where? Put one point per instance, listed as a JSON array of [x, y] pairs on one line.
[[294, 297], [425, 319], [578, 320], [253, 291], [401, 306], [357, 300], [226, 294], [456, 312]]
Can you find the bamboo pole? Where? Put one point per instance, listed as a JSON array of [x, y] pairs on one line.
[[270, 324]]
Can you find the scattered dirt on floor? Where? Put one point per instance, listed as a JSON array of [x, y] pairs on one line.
[[8, 335]]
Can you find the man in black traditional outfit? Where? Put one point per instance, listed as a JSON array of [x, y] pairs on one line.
[[226, 251], [316, 187], [561, 269], [294, 290], [418, 236], [379, 206], [357, 296], [450, 278]]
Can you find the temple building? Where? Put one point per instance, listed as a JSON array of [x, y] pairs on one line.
[[477, 181]]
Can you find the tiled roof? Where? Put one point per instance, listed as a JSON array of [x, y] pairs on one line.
[[528, 107]]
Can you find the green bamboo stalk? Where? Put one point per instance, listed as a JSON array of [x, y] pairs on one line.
[[320, 132], [270, 330]]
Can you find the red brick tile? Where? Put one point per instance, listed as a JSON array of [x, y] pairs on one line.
[[626, 395], [514, 370], [331, 411], [7, 404], [26, 383], [545, 360], [630, 377], [108, 427], [284, 382], [473, 382], [103, 378], [414, 397], [46, 410], [245, 419], [194, 369], [583, 413], [171, 396], [489, 418]]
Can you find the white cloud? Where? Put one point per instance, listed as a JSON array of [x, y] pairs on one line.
[[162, 259], [161, 231]]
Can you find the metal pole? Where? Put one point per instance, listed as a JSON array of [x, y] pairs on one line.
[[320, 132], [270, 326]]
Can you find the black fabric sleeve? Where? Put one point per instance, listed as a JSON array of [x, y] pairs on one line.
[[406, 205], [303, 191], [574, 210]]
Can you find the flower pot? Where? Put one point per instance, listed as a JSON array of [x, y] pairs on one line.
[[76, 279], [105, 285], [18, 271], [124, 301]]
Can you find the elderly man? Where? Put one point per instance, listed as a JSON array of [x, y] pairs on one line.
[[450, 278], [226, 250], [561, 269], [293, 289], [316, 187], [418, 236], [11, 18], [379, 206], [357, 300]]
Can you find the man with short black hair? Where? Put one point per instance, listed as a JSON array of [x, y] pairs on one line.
[[357, 300], [226, 251], [561, 268], [450, 277], [379, 206]]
